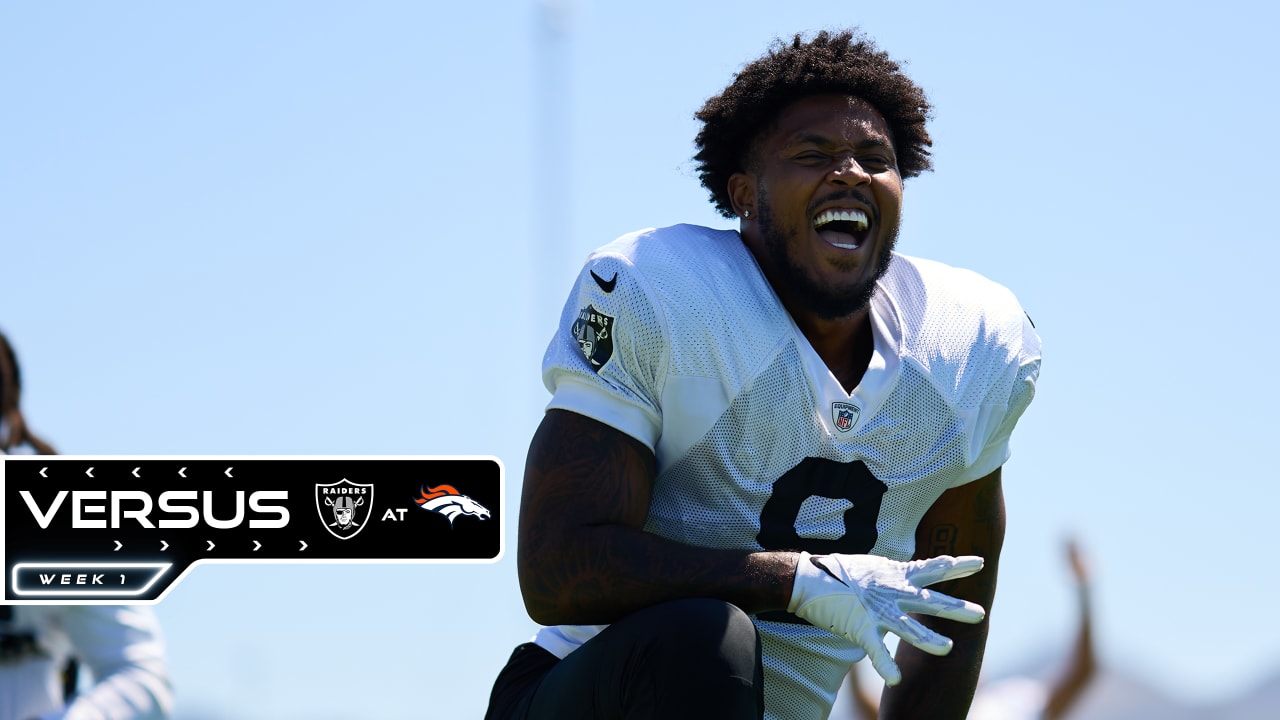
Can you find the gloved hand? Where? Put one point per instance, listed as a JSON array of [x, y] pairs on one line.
[[860, 597]]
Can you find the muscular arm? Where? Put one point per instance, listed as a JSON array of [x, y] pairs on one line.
[[1067, 691], [968, 520], [583, 557]]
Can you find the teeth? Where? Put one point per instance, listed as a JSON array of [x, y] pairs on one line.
[[853, 216]]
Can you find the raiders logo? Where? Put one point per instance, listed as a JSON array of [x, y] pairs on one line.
[[594, 332], [844, 415], [344, 507]]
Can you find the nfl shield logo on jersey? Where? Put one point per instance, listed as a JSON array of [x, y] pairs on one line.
[[344, 507], [844, 415], [594, 332]]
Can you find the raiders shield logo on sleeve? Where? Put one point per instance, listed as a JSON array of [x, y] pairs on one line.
[[594, 332]]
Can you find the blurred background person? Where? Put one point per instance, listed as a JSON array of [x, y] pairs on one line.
[[1022, 698], [15, 436], [44, 647]]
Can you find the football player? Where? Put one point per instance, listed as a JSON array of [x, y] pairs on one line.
[[43, 646], [789, 443]]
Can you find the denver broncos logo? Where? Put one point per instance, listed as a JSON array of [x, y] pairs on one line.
[[446, 500]]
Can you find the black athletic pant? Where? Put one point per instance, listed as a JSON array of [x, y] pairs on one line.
[[682, 659]]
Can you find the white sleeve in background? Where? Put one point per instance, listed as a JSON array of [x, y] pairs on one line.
[[1015, 698], [122, 647]]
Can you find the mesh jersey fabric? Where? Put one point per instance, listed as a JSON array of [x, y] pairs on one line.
[[675, 337]]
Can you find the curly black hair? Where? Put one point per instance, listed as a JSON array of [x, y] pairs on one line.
[[10, 375], [845, 63], [10, 387]]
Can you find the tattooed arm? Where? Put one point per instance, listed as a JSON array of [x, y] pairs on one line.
[[968, 520], [582, 554]]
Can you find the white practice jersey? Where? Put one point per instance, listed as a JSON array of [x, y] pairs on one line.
[[119, 645], [675, 337]]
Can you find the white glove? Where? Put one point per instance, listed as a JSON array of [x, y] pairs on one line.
[[860, 597]]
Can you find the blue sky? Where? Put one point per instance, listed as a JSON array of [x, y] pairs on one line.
[[331, 228]]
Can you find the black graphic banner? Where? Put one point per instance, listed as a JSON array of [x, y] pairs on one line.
[[95, 530]]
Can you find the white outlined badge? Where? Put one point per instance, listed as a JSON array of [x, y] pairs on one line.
[[97, 580], [345, 507]]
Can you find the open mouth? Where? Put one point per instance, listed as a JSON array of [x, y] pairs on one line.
[[843, 228]]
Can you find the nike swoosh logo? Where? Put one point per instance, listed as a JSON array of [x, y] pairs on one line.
[[605, 285], [827, 570]]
